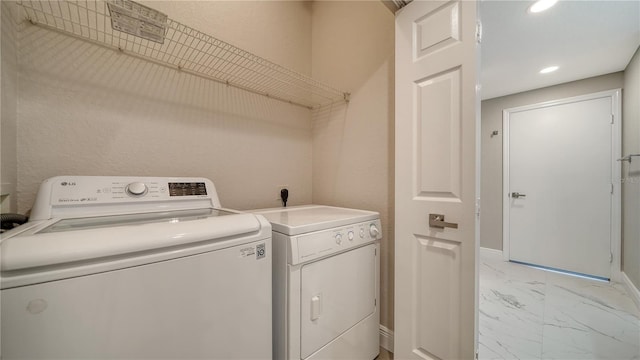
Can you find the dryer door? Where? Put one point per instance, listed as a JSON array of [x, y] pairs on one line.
[[336, 294]]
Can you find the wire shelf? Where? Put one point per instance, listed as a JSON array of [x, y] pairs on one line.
[[183, 48]]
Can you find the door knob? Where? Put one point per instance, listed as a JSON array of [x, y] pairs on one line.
[[437, 221], [516, 195]]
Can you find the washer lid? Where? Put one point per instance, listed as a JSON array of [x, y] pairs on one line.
[[303, 219], [97, 238], [97, 222]]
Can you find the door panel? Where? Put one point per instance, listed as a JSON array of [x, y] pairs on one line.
[[437, 30], [560, 157], [336, 293], [436, 148], [438, 258], [438, 137]]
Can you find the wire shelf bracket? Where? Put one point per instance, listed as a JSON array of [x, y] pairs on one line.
[[183, 48]]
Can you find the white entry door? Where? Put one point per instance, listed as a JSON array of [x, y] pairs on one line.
[[560, 183], [436, 172]]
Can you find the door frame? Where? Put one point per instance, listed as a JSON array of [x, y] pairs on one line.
[[616, 153]]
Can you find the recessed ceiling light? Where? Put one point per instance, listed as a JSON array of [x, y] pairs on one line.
[[541, 5], [549, 69]]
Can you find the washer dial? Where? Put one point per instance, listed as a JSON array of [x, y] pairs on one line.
[[137, 189]]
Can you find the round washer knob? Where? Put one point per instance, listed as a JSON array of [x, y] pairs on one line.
[[373, 231], [137, 188], [350, 235], [338, 239]]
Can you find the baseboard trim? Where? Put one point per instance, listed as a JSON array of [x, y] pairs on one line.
[[632, 289], [386, 338], [490, 252]]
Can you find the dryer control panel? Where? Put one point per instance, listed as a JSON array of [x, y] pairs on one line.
[[314, 245]]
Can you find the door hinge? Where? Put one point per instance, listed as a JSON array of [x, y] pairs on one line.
[[610, 258], [476, 355], [479, 32], [612, 188], [612, 117]]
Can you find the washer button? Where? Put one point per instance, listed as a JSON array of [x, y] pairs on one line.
[[338, 239], [350, 235], [361, 233]]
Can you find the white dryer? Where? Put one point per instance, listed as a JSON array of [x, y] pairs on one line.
[[135, 268], [325, 282]]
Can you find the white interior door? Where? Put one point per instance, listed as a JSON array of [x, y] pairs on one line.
[[560, 184], [436, 172]]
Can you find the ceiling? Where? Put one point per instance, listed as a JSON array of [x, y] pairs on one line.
[[584, 38]]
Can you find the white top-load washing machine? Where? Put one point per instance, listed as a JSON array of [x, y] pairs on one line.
[[135, 268], [325, 282]]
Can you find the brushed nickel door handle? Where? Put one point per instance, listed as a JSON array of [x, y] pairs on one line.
[[437, 221], [517, 195]]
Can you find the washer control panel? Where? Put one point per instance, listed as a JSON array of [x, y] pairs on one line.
[[72, 196], [74, 190], [311, 246]]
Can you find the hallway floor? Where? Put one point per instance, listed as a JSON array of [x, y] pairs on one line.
[[527, 313]]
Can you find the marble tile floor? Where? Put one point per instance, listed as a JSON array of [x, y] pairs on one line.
[[526, 313]]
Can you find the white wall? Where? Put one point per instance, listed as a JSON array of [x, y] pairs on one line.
[[631, 171], [86, 110], [8, 106], [491, 177], [353, 49]]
